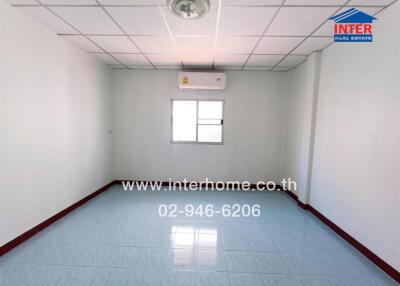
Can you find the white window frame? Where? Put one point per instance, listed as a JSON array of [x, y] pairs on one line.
[[197, 122]]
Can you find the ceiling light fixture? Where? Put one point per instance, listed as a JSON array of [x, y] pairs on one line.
[[189, 9]]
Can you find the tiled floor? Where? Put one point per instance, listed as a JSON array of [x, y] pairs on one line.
[[119, 239]]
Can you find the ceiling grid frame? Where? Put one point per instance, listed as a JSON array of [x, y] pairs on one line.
[[217, 31], [171, 35], [265, 31], [382, 8], [125, 34], [316, 29], [79, 32], [229, 63]]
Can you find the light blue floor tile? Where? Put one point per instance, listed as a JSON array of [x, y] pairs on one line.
[[77, 276], [286, 243], [112, 277], [211, 260], [238, 261], [83, 255], [118, 239], [30, 275], [236, 243], [146, 277], [262, 244], [212, 279], [280, 280], [184, 240], [312, 280], [182, 259], [302, 263], [179, 278], [269, 262], [343, 281], [245, 279], [152, 239], [209, 240]]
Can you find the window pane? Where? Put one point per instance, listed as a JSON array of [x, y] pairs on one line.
[[210, 133], [210, 109], [210, 121], [184, 121]]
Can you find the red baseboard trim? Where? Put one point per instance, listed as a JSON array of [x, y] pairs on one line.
[[387, 268], [27, 235]]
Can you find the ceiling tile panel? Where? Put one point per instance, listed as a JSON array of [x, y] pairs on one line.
[[203, 59], [133, 2], [169, 67], [281, 69], [141, 2], [292, 61], [195, 45], [230, 60], [115, 44], [134, 67], [164, 59], [196, 51], [299, 21], [105, 58], [198, 67], [139, 20], [257, 68], [311, 45], [132, 59], [116, 67], [236, 45], [251, 2], [154, 44], [327, 28], [371, 2], [228, 68], [277, 45], [23, 2], [88, 20], [263, 60], [68, 2], [83, 43], [316, 2], [245, 20], [205, 25], [48, 19]]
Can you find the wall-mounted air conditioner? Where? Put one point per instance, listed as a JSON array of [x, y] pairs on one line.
[[202, 80]]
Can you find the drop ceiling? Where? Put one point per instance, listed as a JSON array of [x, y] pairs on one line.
[[234, 35]]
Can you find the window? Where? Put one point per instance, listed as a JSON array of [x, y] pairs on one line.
[[197, 121]]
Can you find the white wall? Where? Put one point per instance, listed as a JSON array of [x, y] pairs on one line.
[[355, 179], [253, 124], [54, 120], [301, 114], [295, 163]]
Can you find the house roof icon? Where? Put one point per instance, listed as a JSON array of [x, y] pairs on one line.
[[353, 16]]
